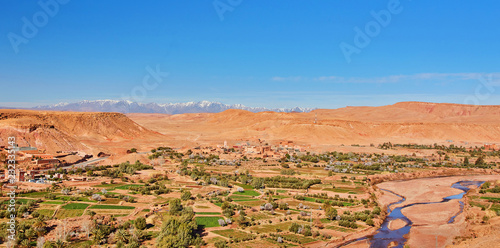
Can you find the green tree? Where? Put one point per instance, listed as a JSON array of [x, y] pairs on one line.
[[185, 195], [480, 161], [175, 206], [40, 226], [48, 244], [140, 223], [179, 231], [370, 222], [294, 228], [221, 244], [122, 236], [331, 213]]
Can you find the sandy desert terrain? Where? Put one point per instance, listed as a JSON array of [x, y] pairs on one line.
[[407, 122]]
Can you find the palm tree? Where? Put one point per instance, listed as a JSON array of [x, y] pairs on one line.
[[40, 226], [60, 244], [121, 235], [25, 243], [30, 233], [98, 236]]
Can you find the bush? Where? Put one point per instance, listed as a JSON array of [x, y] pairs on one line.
[[370, 222], [331, 213], [294, 228], [221, 244], [140, 223], [186, 195]]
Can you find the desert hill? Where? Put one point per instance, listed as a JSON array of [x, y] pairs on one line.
[[69, 131], [406, 122], [418, 112]]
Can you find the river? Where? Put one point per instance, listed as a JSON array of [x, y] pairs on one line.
[[385, 236]]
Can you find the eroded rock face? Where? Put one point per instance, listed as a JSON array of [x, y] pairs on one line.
[[63, 131]]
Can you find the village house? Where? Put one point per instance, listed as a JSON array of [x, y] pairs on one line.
[[44, 163], [491, 147]]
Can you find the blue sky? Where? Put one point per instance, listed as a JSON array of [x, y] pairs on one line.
[[258, 53]]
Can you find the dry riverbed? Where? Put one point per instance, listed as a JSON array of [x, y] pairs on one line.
[[430, 222]]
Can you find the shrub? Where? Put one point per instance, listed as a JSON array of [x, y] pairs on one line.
[[140, 223]]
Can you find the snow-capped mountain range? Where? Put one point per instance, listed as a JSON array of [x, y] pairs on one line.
[[166, 108]]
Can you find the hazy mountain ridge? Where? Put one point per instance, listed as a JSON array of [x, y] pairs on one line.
[[167, 108]]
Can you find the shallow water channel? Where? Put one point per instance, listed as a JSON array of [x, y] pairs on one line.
[[385, 236]]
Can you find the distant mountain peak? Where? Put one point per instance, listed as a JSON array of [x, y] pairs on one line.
[[125, 106]]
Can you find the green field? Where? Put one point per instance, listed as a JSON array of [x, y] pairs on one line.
[[231, 233], [280, 196], [241, 198], [34, 194], [208, 213], [108, 185], [260, 216], [477, 204], [252, 203], [23, 201], [276, 244], [357, 190], [118, 186], [341, 229], [247, 193], [75, 206], [53, 202], [495, 207], [112, 201], [69, 213], [325, 220], [110, 207], [302, 239], [245, 186], [272, 227], [245, 200], [310, 199], [68, 198], [46, 212], [128, 186], [207, 221], [490, 198]]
